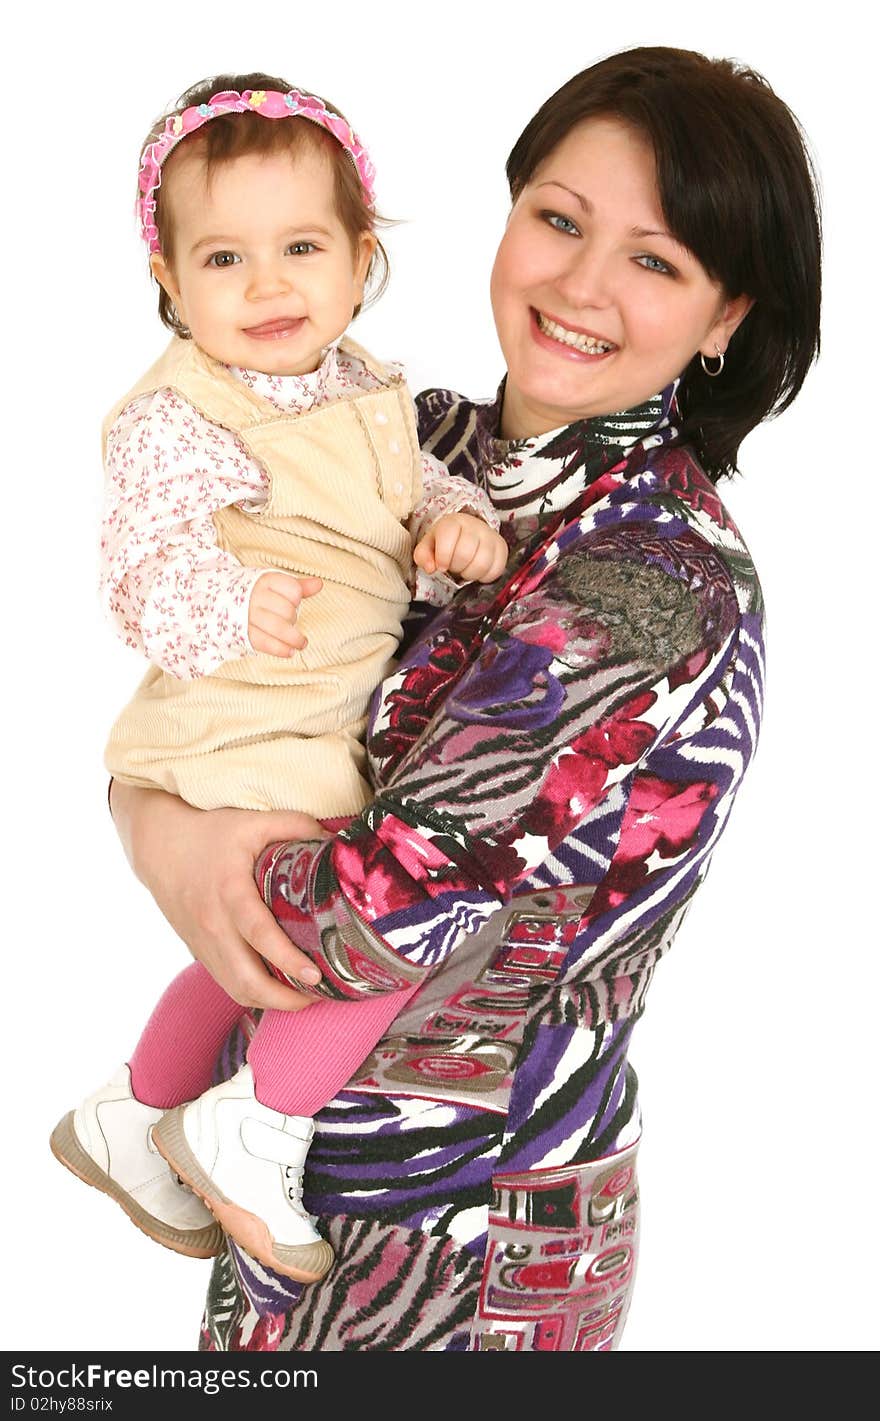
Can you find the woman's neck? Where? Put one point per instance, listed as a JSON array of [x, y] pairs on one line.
[[521, 418]]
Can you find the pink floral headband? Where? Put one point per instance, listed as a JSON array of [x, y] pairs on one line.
[[267, 102]]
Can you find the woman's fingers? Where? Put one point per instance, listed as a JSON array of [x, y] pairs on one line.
[[276, 826], [199, 867], [242, 974], [253, 923], [252, 920], [232, 934]]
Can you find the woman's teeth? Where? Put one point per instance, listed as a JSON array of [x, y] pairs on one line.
[[587, 344]]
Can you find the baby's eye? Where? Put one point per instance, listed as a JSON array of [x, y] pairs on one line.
[[661, 266], [221, 259], [301, 249], [561, 223]]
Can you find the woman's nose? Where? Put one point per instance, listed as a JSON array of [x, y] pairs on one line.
[[586, 280]]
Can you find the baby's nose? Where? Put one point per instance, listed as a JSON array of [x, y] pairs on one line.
[[267, 279]]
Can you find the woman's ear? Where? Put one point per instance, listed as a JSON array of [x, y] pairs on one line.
[[733, 313]]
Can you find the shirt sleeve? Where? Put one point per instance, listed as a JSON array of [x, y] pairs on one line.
[[581, 676], [170, 592], [443, 493]]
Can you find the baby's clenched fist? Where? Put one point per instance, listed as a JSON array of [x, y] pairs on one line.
[[464, 546], [272, 612]]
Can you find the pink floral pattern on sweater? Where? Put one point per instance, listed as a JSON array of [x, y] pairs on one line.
[[170, 592]]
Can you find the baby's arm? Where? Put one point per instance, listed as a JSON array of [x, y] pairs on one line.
[[454, 529], [170, 591]]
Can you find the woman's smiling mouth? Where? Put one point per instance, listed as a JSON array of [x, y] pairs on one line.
[[580, 343]]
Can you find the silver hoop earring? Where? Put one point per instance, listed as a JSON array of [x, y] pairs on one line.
[[712, 373]]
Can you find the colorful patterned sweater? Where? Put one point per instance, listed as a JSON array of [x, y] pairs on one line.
[[554, 758]]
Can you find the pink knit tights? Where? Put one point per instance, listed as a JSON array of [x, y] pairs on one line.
[[300, 1059]]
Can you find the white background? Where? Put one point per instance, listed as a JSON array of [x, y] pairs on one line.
[[756, 1056]]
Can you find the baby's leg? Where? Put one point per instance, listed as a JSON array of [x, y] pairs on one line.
[[175, 1057], [242, 1146], [107, 1141], [301, 1059]]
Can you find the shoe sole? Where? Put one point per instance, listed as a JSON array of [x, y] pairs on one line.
[[206, 1242], [304, 1263]]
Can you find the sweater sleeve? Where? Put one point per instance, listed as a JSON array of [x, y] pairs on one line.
[[579, 678], [170, 592]]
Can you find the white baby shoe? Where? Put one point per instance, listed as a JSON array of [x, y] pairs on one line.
[[107, 1143], [246, 1161]]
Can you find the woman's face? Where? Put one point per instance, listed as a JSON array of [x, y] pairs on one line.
[[597, 307]]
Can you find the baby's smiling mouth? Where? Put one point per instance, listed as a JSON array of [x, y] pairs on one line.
[[275, 330]]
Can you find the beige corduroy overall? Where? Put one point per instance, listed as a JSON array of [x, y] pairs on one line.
[[267, 732]]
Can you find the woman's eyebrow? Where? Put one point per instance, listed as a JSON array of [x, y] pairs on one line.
[[653, 232], [587, 206], [578, 197]]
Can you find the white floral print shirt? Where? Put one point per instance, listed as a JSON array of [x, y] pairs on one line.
[[168, 589]]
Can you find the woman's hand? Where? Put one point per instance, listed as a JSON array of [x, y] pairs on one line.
[[199, 867]]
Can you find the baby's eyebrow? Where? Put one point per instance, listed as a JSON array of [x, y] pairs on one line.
[[210, 241], [303, 229]]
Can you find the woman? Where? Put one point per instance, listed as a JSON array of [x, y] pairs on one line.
[[556, 755]]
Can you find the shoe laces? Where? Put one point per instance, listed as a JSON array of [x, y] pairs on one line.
[[293, 1186], [154, 1150]]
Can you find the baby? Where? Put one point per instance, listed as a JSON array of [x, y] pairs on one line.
[[269, 516]]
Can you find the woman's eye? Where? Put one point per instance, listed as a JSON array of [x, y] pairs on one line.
[[659, 265], [221, 259], [302, 249], [561, 223]]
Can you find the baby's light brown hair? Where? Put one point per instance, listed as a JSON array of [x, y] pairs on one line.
[[231, 136]]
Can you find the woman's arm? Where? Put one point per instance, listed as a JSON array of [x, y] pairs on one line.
[[199, 867], [586, 671], [574, 686]]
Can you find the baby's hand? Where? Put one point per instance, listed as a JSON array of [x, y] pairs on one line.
[[272, 610], [463, 545]]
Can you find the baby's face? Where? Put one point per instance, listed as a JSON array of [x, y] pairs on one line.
[[263, 272]]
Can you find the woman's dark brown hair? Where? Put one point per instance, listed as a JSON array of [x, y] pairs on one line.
[[738, 188], [231, 136]]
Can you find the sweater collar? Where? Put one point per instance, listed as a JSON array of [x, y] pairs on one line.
[[541, 475]]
